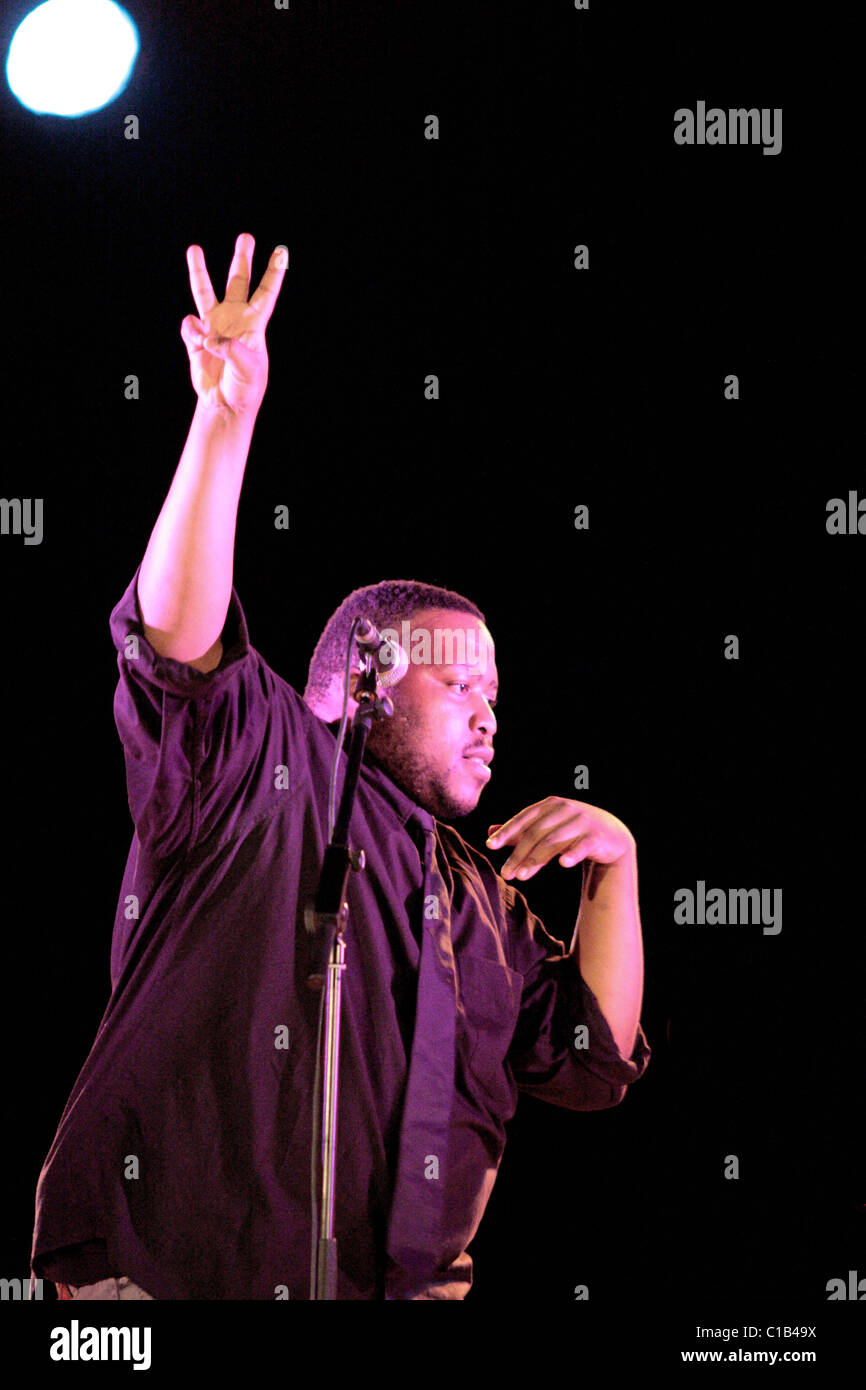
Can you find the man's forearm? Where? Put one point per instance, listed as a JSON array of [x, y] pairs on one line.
[[185, 581], [609, 947]]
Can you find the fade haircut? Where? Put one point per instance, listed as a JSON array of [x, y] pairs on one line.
[[385, 604]]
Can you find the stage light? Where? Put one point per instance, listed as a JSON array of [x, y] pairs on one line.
[[71, 57]]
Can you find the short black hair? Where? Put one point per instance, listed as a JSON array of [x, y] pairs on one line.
[[384, 604]]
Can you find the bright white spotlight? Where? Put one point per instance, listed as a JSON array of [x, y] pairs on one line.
[[69, 57]]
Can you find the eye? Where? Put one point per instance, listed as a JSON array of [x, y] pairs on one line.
[[464, 685]]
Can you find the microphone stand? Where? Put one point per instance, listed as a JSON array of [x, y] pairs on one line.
[[325, 919]]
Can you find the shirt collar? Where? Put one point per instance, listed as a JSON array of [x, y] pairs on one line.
[[373, 773]]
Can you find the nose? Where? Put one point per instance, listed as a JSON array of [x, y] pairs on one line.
[[483, 719]]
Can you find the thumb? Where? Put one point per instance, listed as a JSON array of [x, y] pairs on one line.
[[234, 352], [193, 332]]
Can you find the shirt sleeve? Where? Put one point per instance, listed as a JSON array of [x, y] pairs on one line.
[[202, 752], [563, 1050]]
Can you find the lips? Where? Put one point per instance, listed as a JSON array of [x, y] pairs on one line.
[[484, 754], [479, 761]]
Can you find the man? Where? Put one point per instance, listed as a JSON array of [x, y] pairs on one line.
[[181, 1165]]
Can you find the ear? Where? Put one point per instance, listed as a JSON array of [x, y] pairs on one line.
[[331, 707], [354, 676]]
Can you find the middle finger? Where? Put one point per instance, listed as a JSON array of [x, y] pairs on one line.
[[240, 270]]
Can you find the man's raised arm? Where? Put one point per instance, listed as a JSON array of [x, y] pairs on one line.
[[185, 581]]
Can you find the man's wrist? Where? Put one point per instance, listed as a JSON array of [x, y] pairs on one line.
[[223, 419]]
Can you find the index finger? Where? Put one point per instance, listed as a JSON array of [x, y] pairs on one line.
[[265, 297], [510, 829], [199, 281]]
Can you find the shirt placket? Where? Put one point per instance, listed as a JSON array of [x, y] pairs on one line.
[[415, 1220]]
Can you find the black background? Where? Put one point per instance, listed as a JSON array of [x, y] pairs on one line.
[[558, 387]]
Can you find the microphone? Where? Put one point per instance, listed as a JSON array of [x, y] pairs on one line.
[[389, 659]]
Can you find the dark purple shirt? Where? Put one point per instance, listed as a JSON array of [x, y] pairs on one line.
[[182, 1158]]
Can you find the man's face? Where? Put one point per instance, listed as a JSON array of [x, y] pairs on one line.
[[442, 713]]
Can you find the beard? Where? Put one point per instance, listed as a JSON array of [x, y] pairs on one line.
[[401, 747]]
